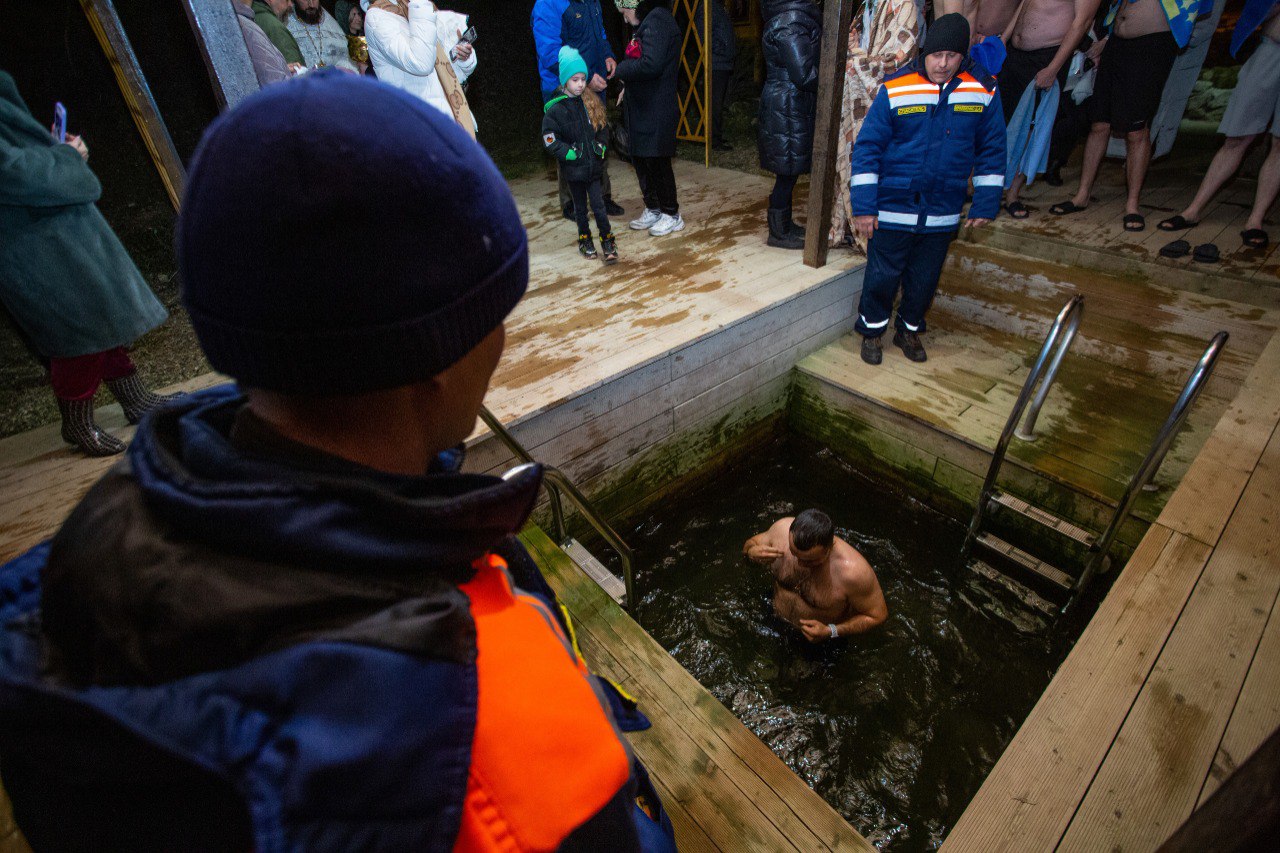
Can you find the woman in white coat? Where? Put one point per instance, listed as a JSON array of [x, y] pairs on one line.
[[414, 46]]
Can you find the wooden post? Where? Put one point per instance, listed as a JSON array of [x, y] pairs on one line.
[[137, 95], [222, 44], [836, 17]]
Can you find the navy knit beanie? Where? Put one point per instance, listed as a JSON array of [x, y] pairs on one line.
[[950, 32], [284, 298]]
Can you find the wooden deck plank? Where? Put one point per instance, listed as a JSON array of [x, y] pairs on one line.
[[1028, 800], [1257, 710], [1154, 772]]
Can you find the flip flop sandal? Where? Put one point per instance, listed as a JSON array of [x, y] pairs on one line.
[[1255, 238], [1176, 249], [1206, 253], [1066, 208], [1136, 220], [1176, 223], [1017, 210]]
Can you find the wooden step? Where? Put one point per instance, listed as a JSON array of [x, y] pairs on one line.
[[1052, 574], [1048, 519], [1020, 591], [597, 571]]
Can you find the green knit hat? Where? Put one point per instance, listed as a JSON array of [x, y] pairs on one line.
[[571, 63], [626, 4]]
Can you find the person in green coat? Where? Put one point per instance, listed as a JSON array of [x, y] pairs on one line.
[[269, 14], [65, 278]]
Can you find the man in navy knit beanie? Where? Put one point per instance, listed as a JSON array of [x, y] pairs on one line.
[[288, 621]]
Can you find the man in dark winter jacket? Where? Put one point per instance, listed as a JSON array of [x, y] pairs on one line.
[[578, 24], [288, 621], [931, 125]]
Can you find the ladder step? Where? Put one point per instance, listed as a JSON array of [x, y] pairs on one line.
[[597, 571], [1021, 592], [1048, 519], [1052, 574]]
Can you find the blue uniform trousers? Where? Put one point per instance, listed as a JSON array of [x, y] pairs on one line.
[[904, 258]]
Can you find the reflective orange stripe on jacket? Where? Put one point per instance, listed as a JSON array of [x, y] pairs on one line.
[[545, 756]]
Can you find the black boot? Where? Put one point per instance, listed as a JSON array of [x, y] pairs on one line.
[[586, 247], [793, 229], [871, 352], [910, 344], [135, 398], [779, 237], [79, 429]]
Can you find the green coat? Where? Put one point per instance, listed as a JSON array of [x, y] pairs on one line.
[[277, 32], [64, 276]]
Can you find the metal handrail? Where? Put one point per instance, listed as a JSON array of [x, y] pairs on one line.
[[1155, 457], [1055, 347], [556, 482]]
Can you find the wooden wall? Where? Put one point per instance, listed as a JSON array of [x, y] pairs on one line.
[[631, 438]]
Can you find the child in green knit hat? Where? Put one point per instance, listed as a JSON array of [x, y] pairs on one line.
[[576, 131]]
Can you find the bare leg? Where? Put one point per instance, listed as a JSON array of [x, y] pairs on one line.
[[1224, 165], [1095, 148], [1137, 150], [1011, 194], [1268, 185]]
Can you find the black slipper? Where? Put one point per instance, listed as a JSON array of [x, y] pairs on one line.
[[1017, 210], [1176, 249], [1206, 253], [1065, 208], [1136, 220], [1176, 223], [1255, 238]]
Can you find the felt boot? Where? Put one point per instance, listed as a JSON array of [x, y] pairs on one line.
[[779, 236], [79, 429]]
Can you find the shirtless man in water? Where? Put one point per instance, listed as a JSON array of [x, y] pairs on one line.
[[1132, 71], [820, 583], [1040, 38]]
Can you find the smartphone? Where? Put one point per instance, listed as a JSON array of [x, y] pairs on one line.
[[469, 36], [59, 129]]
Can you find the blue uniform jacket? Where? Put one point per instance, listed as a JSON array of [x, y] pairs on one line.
[[576, 23], [920, 143]]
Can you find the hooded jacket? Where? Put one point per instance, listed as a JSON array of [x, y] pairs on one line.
[[567, 129], [919, 144], [236, 642], [403, 50], [789, 99]]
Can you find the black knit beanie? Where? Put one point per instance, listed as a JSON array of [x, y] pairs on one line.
[[282, 294], [950, 32]]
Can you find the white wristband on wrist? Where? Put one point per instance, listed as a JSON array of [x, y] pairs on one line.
[[834, 632]]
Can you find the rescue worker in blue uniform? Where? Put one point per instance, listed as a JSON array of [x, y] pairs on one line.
[[933, 123], [287, 621]]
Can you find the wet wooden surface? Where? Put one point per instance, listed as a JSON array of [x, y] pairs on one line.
[[1175, 680], [1171, 183]]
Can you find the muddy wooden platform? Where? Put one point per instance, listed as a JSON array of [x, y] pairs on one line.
[[1096, 238], [1136, 346], [1176, 679]]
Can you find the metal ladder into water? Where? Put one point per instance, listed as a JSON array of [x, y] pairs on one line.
[[1033, 580], [623, 590]]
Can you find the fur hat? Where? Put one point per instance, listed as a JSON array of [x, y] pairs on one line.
[[282, 297]]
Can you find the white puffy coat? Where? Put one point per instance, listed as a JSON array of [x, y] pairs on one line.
[[403, 52]]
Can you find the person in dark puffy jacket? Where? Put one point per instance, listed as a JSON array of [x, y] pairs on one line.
[[651, 106], [575, 130], [788, 106]]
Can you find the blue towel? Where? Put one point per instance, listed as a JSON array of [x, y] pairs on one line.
[[1255, 12], [990, 53], [1028, 133]]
